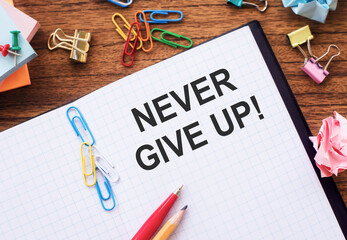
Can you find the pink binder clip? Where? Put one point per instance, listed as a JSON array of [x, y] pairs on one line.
[[315, 70]]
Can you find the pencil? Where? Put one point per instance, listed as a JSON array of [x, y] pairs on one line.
[[165, 232]]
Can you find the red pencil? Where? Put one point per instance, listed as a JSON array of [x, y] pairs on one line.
[[153, 222]]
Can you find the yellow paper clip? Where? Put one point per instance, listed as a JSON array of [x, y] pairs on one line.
[[299, 37], [77, 44], [127, 26], [92, 165]]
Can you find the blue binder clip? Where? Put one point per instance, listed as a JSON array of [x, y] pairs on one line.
[[79, 117], [161, 12], [121, 3], [239, 3], [109, 191]]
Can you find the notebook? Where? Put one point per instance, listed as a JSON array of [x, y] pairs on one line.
[[7, 66], [219, 119], [28, 26]]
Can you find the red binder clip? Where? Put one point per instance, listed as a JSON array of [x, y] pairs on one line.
[[315, 70], [133, 50]]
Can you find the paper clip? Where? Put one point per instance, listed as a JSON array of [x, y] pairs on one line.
[[172, 44], [92, 165], [148, 32], [161, 12], [79, 117], [313, 69], [133, 51], [121, 3], [299, 37], [78, 43], [105, 166], [127, 26], [109, 191], [239, 3]]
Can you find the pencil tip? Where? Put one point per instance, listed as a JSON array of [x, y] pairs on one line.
[[184, 208]]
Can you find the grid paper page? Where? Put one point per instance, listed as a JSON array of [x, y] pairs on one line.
[[255, 183]]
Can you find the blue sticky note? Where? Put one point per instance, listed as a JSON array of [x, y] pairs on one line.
[[7, 64]]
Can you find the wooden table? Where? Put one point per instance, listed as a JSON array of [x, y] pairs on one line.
[[57, 81]]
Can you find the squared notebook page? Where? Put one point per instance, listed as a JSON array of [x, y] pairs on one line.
[[256, 183]]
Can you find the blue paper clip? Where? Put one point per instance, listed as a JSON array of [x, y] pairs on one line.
[[83, 122], [121, 3], [110, 193], [162, 12]]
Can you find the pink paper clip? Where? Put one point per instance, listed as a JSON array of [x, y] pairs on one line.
[[315, 70]]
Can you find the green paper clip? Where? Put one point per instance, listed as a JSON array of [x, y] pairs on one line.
[[172, 44]]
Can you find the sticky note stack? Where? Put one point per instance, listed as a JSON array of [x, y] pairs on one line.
[[16, 20]]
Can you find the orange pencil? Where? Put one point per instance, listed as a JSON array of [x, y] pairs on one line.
[[165, 232]]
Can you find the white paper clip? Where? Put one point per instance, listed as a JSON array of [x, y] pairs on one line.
[[105, 166]]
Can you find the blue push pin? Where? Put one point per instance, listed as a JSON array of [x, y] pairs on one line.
[[15, 47], [239, 3]]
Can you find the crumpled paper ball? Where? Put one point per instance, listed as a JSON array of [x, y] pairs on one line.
[[331, 146], [313, 9]]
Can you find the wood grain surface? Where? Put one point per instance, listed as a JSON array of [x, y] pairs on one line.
[[57, 81]]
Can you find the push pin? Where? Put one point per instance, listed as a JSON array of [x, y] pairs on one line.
[[299, 37], [315, 70], [15, 47], [78, 44], [239, 3], [6, 50]]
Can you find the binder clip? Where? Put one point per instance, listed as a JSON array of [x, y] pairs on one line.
[[239, 3], [78, 44], [315, 70], [299, 37]]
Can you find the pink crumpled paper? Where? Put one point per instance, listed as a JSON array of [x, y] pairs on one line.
[[331, 146]]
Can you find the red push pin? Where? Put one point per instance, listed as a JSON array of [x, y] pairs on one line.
[[6, 49]]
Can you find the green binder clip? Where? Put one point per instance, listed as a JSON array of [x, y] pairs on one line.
[[172, 44], [239, 3]]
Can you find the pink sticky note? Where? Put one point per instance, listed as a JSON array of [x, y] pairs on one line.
[[315, 71], [26, 24]]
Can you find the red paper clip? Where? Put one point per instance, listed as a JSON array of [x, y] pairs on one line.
[[133, 50]]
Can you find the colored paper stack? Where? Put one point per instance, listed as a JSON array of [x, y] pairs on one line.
[[15, 74]]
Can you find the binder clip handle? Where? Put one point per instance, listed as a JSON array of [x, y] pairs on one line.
[[257, 6], [335, 55]]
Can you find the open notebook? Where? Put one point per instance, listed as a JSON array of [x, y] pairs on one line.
[[252, 181]]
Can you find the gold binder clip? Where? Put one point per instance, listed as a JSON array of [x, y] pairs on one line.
[[299, 37], [78, 44]]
